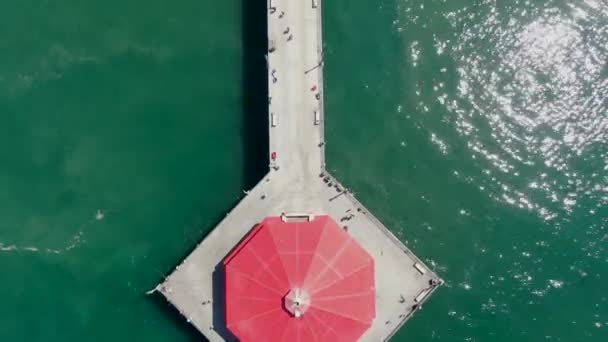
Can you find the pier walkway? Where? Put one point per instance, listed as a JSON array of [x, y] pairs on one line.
[[298, 183], [295, 89]]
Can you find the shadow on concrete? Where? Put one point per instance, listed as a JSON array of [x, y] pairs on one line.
[[219, 307], [218, 300], [219, 294], [255, 91]]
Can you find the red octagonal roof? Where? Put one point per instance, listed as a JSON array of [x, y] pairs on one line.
[[299, 281]]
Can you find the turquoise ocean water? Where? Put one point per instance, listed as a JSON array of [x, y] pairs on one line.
[[477, 130]]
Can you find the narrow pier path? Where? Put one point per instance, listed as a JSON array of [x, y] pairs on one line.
[[295, 90]]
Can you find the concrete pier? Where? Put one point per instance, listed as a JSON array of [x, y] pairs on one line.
[[298, 183]]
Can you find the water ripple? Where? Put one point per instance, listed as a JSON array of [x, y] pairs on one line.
[[534, 106]]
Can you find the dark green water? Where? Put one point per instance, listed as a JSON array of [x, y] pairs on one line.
[[477, 130]]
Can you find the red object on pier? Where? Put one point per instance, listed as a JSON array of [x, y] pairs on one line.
[[302, 280], [273, 155]]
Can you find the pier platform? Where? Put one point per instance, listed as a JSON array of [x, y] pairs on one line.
[[298, 183]]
